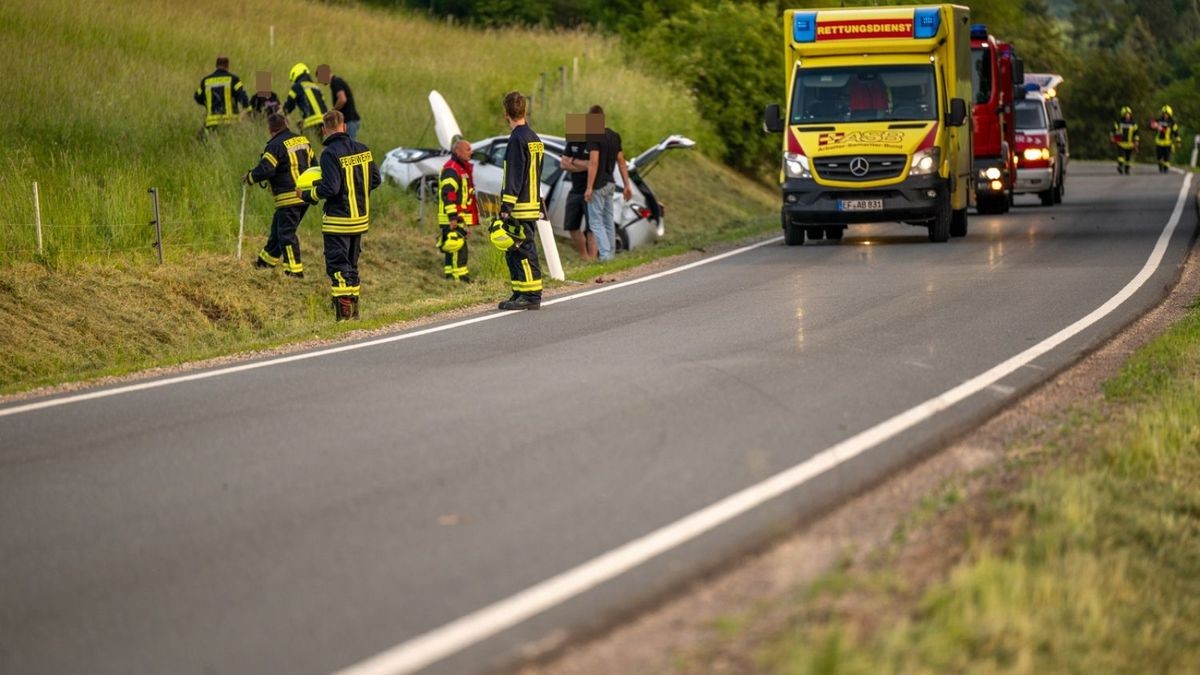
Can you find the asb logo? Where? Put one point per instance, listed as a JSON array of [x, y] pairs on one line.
[[868, 137]]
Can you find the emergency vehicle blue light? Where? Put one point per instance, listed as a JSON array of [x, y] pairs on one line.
[[926, 22], [1032, 86], [804, 26], [979, 31]]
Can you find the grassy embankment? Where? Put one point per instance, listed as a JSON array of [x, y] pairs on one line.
[[1092, 565], [99, 97]]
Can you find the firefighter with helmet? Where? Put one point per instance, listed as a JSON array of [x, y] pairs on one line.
[[286, 156], [1125, 137], [1167, 140], [306, 96], [456, 210]]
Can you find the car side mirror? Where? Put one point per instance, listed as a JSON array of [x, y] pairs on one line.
[[772, 122], [958, 113], [1019, 73], [1060, 124]]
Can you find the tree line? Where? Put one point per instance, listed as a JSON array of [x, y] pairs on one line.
[[1140, 53]]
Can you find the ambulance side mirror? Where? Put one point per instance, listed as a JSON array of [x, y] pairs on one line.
[[1060, 124], [958, 113], [1019, 73], [772, 122]]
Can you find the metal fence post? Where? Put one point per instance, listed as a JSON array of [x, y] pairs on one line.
[[37, 216], [562, 79], [242, 222], [157, 223], [421, 208], [542, 89]]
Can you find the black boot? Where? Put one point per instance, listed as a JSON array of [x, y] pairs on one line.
[[522, 302], [345, 308], [298, 275], [263, 264], [466, 279]]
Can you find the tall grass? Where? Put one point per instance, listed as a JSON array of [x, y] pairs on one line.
[[99, 96]]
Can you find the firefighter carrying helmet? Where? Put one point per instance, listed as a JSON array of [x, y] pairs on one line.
[[1126, 110], [1166, 110], [309, 178], [297, 70], [452, 242], [499, 236]]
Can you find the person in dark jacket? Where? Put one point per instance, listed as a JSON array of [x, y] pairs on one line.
[[521, 205], [264, 102], [348, 175], [457, 210], [286, 156], [221, 92], [343, 98], [305, 95]]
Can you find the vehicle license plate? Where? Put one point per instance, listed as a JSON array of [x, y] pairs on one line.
[[860, 205]]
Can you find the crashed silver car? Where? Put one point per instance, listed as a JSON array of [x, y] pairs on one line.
[[638, 222]]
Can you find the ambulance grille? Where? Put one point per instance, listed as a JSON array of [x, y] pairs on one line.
[[879, 167]]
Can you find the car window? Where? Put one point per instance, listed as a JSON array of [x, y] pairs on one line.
[[496, 154], [981, 73], [1031, 114]]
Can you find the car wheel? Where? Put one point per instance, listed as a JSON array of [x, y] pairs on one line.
[[939, 229], [793, 235], [958, 223], [834, 232], [1047, 197], [1060, 189], [986, 205]]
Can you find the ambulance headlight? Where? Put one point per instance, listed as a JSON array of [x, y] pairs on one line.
[[925, 162], [992, 173], [796, 166]]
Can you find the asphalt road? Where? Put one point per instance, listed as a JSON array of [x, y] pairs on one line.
[[305, 516]]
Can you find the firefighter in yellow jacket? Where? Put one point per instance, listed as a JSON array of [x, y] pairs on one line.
[[457, 210], [1166, 139], [520, 207], [286, 156], [1124, 136], [221, 92]]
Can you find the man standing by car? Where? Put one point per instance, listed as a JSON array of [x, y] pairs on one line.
[[575, 162], [1167, 140], [286, 156], [343, 99], [348, 174], [604, 153], [456, 210], [521, 206]]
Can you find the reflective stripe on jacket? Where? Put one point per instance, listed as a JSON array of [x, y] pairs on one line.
[[286, 156]]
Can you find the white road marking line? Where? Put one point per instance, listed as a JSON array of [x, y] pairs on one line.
[[229, 370], [437, 644]]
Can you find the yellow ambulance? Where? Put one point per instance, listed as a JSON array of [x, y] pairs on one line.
[[877, 126]]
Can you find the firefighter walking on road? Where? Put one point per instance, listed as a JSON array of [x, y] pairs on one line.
[[286, 156], [306, 96], [348, 175], [1125, 137], [221, 92], [457, 210], [520, 207], [1167, 140]]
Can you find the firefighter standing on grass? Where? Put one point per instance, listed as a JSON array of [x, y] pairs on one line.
[[348, 174], [1166, 140], [286, 156], [520, 208], [306, 96], [456, 210], [220, 92]]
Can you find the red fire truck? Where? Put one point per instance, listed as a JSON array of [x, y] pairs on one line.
[[995, 70]]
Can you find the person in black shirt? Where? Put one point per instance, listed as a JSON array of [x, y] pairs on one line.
[[575, 162], [264, 102], [286, 156], [343, 99], [220, 92], [604, 155]]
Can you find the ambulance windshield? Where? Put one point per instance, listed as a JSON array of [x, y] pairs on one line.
[[1030, 114], [981, 73], [864, 94]]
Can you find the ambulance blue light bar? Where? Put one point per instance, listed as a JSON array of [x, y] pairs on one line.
[[926, 22], [979, 31], [804, 27]]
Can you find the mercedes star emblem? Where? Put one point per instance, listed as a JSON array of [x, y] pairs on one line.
[[859, 166]]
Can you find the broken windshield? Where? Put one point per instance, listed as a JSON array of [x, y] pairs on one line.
[[864, 93]]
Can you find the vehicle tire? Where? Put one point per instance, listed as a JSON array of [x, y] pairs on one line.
[[1060, 189], [815, 233], [1006, 202], [958, 223], [1047, 197], [793, 235], [834, 232], [939, 229], [987, 205]]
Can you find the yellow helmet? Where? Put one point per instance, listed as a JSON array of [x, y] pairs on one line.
[[500, 237], [1126, 110], [297, 70], [309, 178], [452, 242], [1166, 109]]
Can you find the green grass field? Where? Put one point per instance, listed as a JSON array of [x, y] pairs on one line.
[[100, 95]]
